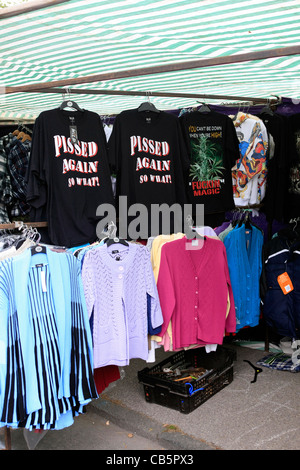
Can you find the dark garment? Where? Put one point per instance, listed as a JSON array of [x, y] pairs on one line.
[[18, 154], [6, 195], [213, 150], [149, 157], [292, 206], [103, 376], [275, 201], [68, 180], [282, 310]]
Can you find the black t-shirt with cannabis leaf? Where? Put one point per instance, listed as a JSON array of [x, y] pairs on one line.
[[213, 150]]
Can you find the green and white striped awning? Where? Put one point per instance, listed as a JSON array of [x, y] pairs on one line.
[[131, 46]]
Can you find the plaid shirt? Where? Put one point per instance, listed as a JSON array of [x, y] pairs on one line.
[[279, 361], [6, 195], [18, 153]]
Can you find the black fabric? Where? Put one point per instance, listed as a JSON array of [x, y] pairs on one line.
[[282, 254], [275, 200], [292, 208], [213, 150], [66, 182], [149, 157]]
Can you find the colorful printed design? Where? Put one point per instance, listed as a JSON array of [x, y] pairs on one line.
[[252, 160], [207, 159]]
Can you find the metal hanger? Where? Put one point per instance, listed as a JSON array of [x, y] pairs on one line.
[[267, 110], [204, 108], [68, 103], [112, 236], [190, 232], [148, 106]]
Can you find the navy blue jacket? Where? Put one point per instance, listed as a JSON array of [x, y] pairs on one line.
[[282, 311]]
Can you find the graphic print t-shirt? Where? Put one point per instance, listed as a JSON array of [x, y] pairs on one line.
[[150, 159], [213, 149], [68, 176]]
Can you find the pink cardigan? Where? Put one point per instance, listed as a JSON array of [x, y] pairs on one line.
[[195, 292]]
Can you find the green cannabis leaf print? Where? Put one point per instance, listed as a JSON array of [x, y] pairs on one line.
[[207, 160]]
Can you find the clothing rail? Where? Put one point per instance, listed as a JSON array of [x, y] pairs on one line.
[[164, 68], [80, 91], [18, 224], [7, 439]]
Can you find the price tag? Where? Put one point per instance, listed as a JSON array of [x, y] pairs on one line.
[[43, 281], [285, 283], [73, 130]]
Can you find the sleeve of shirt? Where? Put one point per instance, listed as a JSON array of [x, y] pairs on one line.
[[185, 135], [114, 147], [263, 286], [88, 284], [232, 144], [155, 313], [4, 310], [230, 324], [166, 291], [36, 193], [184, 149], [182, 172]]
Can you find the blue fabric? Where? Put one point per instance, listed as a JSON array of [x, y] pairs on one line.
[[279, 361], [151, 330], [244, 255], [46, 359]]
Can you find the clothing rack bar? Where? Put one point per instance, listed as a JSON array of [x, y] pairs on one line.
[[28, 7], [166, 68], [17, 224], [79, 91], [250, 206], [7, 438]]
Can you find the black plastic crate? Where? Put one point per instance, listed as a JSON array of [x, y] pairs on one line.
[[163, 390]]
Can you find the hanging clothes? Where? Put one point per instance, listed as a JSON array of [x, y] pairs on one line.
[[244, 254], [6, 196], [250, 171], [155, 248], [116, 282], [213, 151], [46, 363], [195, 292], [275, 202], [68, 178], [149, 157], [18, 154], [280, 301], [292, 207]]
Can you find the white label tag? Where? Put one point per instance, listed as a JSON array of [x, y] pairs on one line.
[[43, 280]]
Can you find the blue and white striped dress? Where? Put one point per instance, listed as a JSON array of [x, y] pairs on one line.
[[46, 361]]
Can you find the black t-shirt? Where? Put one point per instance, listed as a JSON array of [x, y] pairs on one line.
[[292, 209], [213, 151], [149, 156], [278, 165], [68, 179]]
